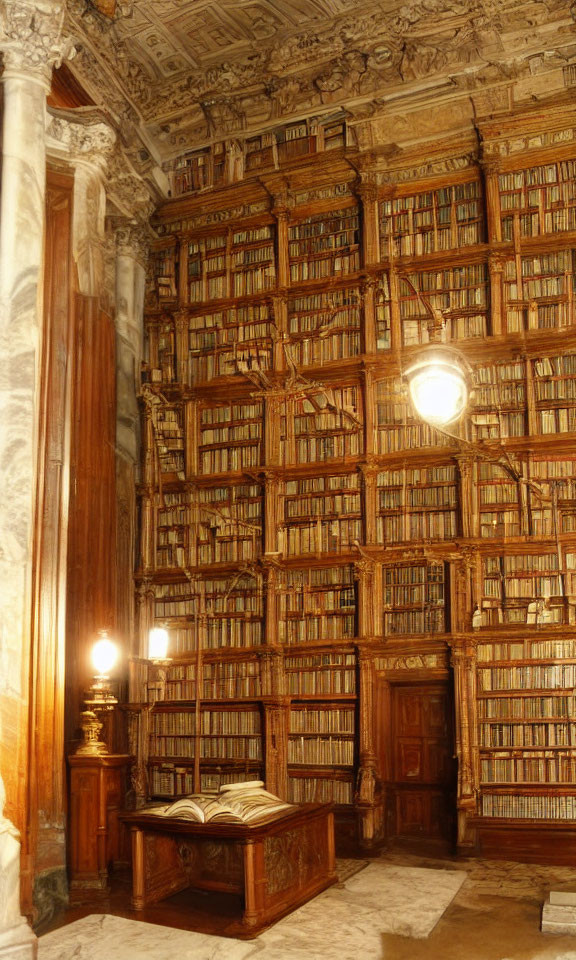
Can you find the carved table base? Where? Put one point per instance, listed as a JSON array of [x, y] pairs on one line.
[[275, 865]]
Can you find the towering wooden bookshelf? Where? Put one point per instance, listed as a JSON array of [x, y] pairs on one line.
[[314, 548]]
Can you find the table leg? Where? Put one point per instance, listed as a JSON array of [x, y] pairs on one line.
[[138, 877]]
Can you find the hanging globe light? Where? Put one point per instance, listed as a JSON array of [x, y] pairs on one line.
[[438, 383]]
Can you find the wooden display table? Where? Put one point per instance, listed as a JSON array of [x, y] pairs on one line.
[[276, 864]]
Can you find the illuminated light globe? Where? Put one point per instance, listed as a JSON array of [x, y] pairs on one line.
[[104, 655], [438, 387], [157, 643]]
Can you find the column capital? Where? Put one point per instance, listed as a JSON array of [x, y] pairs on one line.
[[31, 39], [366, 186], [133, 240], [364, 568]]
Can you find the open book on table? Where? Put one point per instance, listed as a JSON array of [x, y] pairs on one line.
[[234, 803]]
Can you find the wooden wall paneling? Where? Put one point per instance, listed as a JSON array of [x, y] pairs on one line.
[[92, 577]]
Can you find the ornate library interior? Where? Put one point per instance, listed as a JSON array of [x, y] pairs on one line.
[[288, 456]]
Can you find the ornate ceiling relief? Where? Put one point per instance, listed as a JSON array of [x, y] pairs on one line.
[[178, 74]]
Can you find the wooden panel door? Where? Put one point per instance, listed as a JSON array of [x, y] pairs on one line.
[[423, 765]]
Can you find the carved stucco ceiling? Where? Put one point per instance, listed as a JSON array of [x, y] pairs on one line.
[[180, 73]]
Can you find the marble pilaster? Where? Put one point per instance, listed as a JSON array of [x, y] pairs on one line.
[[131, 251], [87, 146]]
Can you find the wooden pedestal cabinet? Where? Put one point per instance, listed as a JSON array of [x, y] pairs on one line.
[[97, 792]]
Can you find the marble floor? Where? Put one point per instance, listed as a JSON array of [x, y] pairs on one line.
[[352, 916], [400, 907]]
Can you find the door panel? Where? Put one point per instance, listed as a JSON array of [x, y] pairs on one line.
[[409, 714], [435, 715], [439, 761], [412, 813], [409, 762]]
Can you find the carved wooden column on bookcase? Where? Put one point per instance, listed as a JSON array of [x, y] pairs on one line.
[[395, 319], [281, 210], [532, 425], [138, 721], [147, 531], [191, 438], [369, 471], [272, 517], [181, 337], [151, 336], [276, 710], [496, 270], [463, 662], [271, 614], [469, 516], [491, 169], [524, 501], [196, 517], [366, 189], [276, 704], [369, 329], [462, 572], [368, 579], [367, 795], [369, 387], [182, 265], [279, 311], [272, 416]]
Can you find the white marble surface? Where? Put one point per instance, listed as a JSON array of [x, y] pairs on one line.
[[344, 923]]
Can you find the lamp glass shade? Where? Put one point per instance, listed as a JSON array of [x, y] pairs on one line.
[[104, 655], [438, 389], [157, 643]]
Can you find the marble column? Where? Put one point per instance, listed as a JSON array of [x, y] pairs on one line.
[[17, 942], [131, 252], [30, 43]]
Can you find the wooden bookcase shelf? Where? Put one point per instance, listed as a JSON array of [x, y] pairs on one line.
[[312, 546]]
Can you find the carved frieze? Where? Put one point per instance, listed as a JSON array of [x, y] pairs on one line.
[[334, 191], [417, 661]]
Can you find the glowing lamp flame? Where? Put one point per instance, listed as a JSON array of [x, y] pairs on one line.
[[157, 644], [104, 655]]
